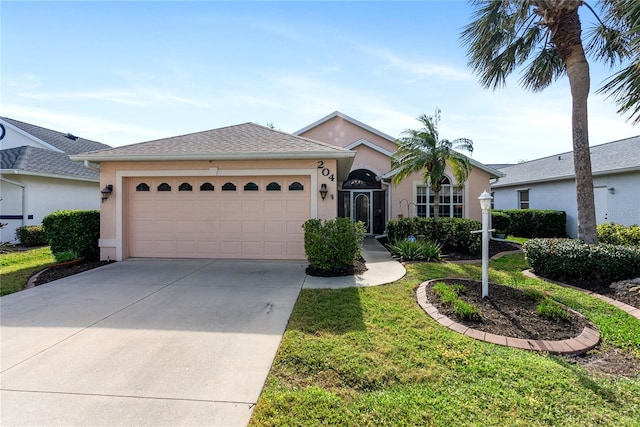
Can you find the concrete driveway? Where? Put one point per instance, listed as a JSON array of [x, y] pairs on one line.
[[145, 342]]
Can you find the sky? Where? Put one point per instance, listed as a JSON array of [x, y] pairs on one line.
[[123, 72]]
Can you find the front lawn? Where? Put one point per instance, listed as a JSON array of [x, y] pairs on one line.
[[16, 267], [371, 356]]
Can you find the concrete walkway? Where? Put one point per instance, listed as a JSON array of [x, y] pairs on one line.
[[154, 342]]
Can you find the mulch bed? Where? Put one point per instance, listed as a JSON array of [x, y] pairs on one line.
[[495, 247], [51, 274], [507, 311]]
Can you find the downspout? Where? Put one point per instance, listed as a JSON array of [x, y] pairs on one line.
[[25, 215], [88, 165]]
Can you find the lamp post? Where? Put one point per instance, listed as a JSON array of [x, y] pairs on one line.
[[485, 205]]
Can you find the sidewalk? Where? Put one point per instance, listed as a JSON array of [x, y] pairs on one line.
[[382, 269]]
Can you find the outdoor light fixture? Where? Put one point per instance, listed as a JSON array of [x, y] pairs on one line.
[[106, 192], [611, 190], [485, 205], [323, 191]]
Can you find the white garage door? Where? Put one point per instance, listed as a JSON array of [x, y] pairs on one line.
[[238, 217]]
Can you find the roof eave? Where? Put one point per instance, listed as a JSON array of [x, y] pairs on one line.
[[47, 175], [563, 177], [215, 156]]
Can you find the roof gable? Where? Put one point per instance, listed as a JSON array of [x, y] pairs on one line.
[[348, 119], [616, 156], [28, 160], [369, 144]]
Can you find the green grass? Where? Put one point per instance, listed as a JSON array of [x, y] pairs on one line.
[[371, 356], [520, 240], [17, 267]]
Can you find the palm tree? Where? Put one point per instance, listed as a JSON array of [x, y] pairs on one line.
[[423, 151], [506, 34]]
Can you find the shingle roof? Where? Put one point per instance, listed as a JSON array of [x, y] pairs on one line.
[[247, 140], [616, 156], [43, 161], [58, 139]]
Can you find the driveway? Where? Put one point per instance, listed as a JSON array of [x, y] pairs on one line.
[[145, 342]]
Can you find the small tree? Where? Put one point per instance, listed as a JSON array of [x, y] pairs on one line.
[[423, 151]]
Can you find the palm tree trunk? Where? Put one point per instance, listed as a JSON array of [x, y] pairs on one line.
[[568, 40]]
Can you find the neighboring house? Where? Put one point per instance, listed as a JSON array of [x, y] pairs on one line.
[[244, 191], [549, 183], [37, 177]]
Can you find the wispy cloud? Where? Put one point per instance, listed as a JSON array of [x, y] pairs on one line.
[[184, 101], [420, 69], [115, 96], [23, 81]]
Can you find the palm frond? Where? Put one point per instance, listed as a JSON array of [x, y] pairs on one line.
[[543, 70]]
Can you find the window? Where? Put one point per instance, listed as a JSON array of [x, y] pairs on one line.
[[164, 187], [251, 186], [185, 186], [229, 186], [523, 199], [142, 187], [207, 186], [451, 201], [296, 186], [273, 186]]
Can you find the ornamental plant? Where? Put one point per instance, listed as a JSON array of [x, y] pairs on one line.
[[333, 245]]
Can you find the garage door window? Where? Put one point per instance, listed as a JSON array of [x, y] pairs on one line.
[[207, 186], [251, 186], [164, 187], [273, 186], [142, 187], [296, 186], [229, 186], [185, 186]]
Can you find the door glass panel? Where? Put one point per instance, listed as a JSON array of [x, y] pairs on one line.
[[362, 209]]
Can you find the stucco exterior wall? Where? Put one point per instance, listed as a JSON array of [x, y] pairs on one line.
[[43, 196], [341, 133], [621, 206]]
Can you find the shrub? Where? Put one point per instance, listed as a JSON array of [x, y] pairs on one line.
[[448, 294], [549, 309], [617, 234], [536, 223], [501, 222], [65, 256], [31, 235], [76, 231], [565, 259], [332, 245], [454, 234], [467, 311], [415, 250]]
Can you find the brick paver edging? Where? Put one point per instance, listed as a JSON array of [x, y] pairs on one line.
[[588, 339], [635, 312]]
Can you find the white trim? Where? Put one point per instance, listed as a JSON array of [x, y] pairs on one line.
[[369, 144], [33, 138], [47, 175], [122, 174], [299, 155], [107, 243]]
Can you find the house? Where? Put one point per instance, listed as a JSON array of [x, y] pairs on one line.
[[37, 177], [244, 191], [549, 183]]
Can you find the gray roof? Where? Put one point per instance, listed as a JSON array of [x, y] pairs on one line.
[[612, 157], [43, 161], [244, 141], [58, 139]]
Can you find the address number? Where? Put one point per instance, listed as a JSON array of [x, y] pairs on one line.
[[325, 171]]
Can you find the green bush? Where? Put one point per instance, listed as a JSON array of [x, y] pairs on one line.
[[65, 256], [572, 260], [332, 245], [536, 223], [454, 234], [31, 235], [501, 222], [415, 250], [617, 234], [76, 231]]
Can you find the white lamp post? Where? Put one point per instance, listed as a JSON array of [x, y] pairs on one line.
[[485, 205]]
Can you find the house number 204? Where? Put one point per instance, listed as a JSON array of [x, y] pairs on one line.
[[325, 171]]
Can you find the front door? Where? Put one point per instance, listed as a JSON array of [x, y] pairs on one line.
[[361, 208]]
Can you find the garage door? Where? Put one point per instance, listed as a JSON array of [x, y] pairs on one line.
[[239, 217]]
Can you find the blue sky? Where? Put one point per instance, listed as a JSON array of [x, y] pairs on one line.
[[126, 72]]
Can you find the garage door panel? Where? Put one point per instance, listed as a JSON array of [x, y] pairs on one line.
[[218, 224]]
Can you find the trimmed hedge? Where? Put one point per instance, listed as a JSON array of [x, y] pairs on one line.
[[617, 234], [31, 235], [570, 259], [333, 245], [454, 234], [536, 223], [76, 231], [500, 221]]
